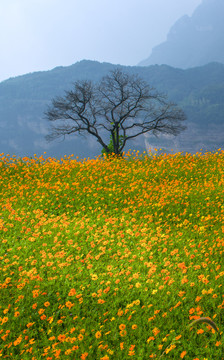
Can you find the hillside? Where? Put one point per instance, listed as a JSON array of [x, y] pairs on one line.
[[23, 100], [193, 41]]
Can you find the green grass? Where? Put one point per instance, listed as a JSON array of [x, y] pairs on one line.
[[112, 259]]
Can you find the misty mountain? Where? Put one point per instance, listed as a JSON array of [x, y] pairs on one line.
[[193, 41], [24, 99]]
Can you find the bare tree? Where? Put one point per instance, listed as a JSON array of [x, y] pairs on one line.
[[123, 105]]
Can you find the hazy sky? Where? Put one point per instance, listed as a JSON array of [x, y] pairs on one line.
[[42, 34]]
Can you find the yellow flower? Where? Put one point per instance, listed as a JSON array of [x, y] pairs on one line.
[[110, 351], [170, 348], [129, 231], [94, 277]]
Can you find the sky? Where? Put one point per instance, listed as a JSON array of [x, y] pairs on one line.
[[37, 35]]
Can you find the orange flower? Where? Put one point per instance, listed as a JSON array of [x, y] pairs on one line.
[[132, 347], [218, 343], [80, 337], [184, 280], [61, 337], [30, 324], [35, 293], [69, 305], [101, 301], [131, 353], [120, 312], [4, 319], [18, 340], [72, 292], [205, 281], [75, 347], [182, 265], [183, 354], [122, 326], [178, 337], [123, 332], [198, 298], [155, 331], [84, 356], [177, 304], [151, 338], [98, 334], [106, 290]]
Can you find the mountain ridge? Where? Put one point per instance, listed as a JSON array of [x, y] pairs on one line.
[[193, 41], [23, 100]]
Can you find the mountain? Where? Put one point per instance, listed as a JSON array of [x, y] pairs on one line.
[[24, 99], [193, 41]]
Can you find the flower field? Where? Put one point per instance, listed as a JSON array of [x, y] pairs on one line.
[[112, 258]]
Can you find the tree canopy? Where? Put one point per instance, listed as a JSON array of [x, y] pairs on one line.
[[123, 105]]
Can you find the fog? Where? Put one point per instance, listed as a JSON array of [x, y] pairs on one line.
[[42, 34]]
